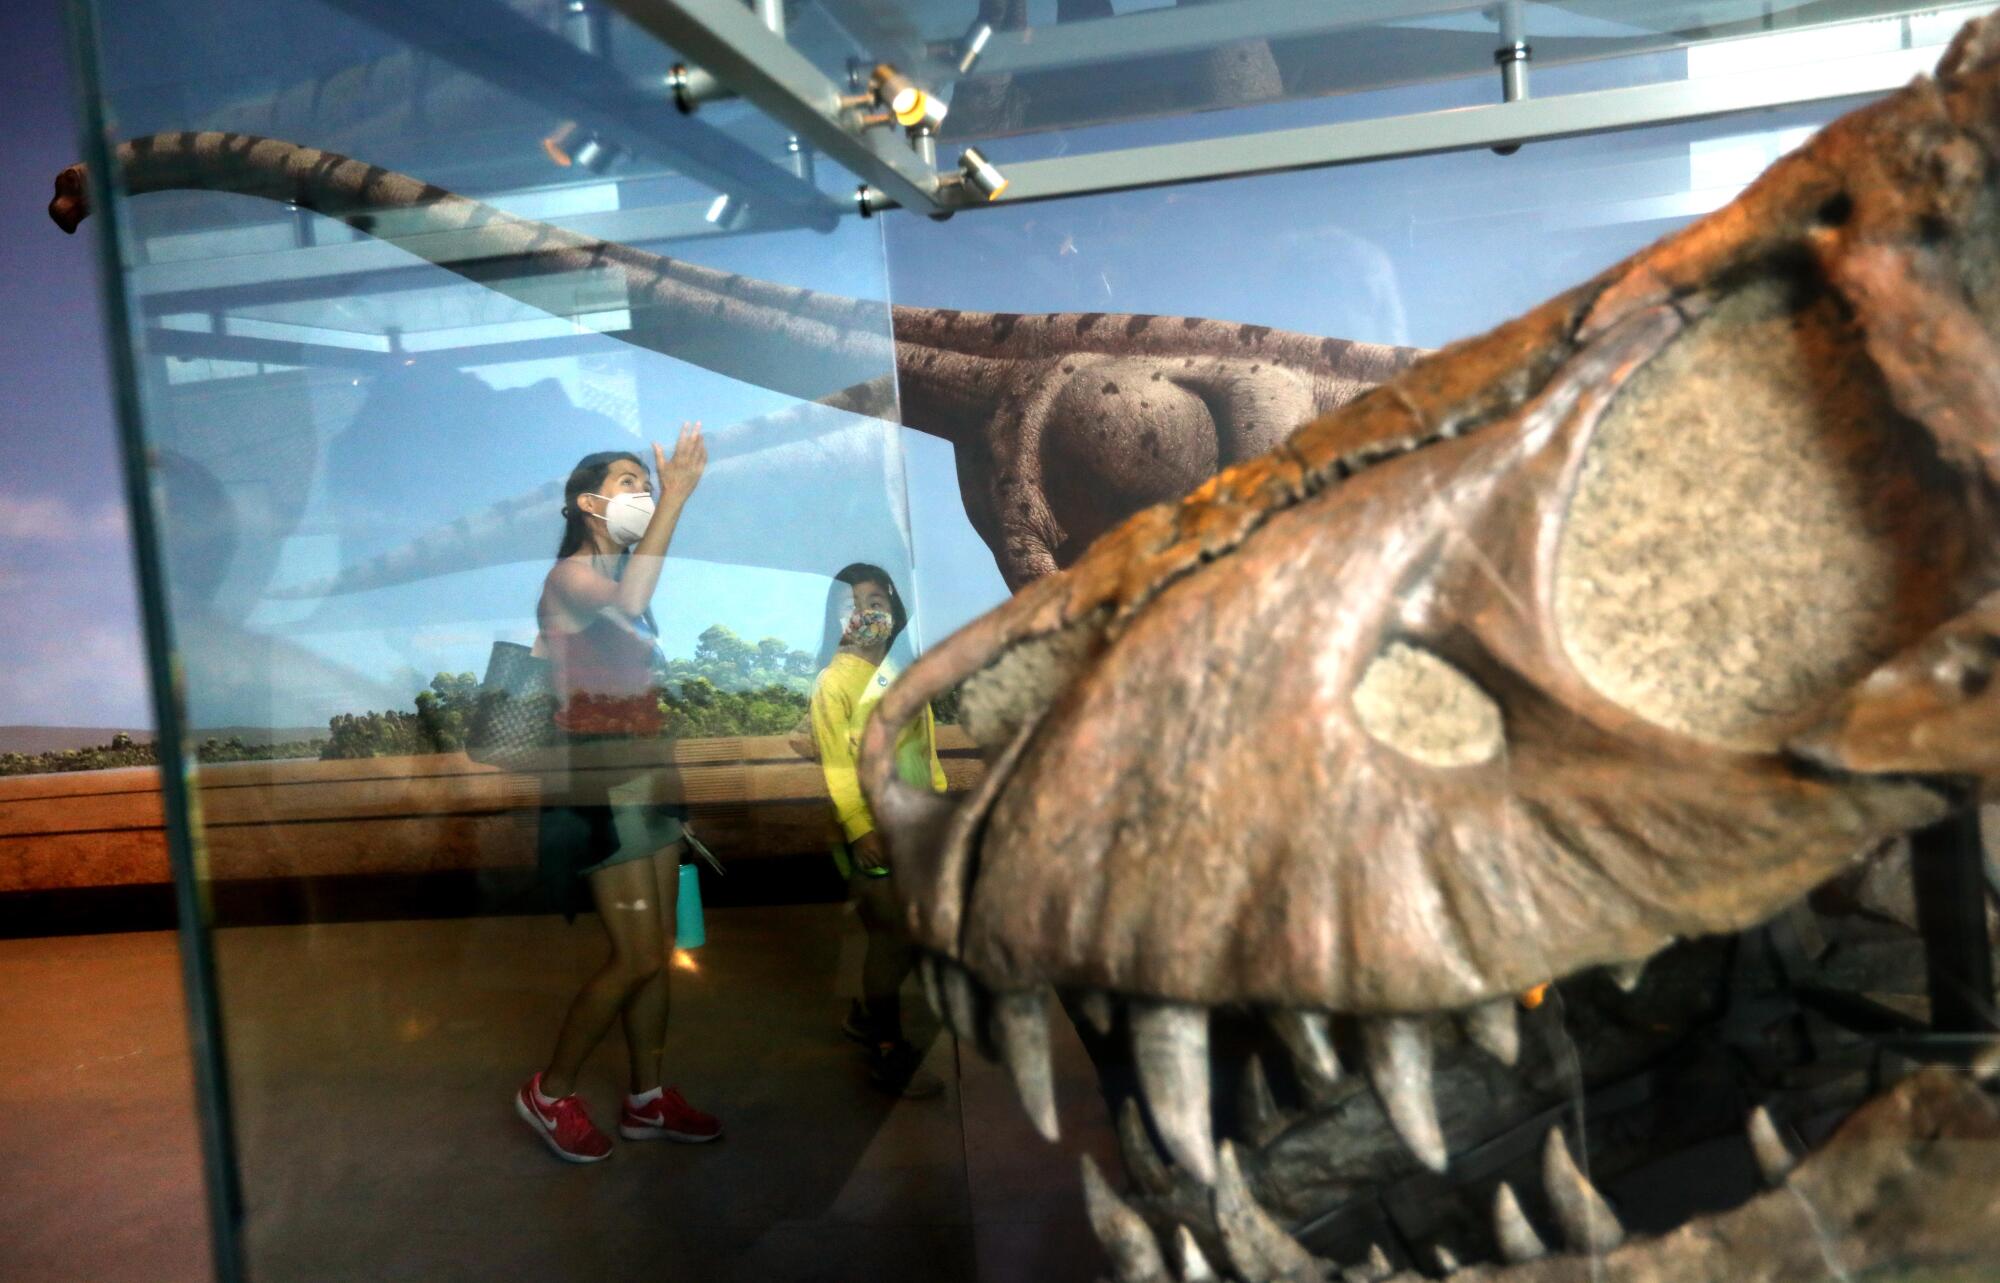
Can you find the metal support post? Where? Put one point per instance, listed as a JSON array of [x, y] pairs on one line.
[[1513, 53]]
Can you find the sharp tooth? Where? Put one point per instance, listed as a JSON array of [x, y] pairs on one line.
[[1194, 1265], [1308, 1035], [1141, 1159], [1373, 1270], [927, 968], [961, 1004], [1627, 975], [1135, 1257], [1774, 1156], [1021, 1030], [1170, 1044], [1518, 1240], [1096, 1007], [1588, 1223], [1262, 1119], [1495, 1030], [1399, 1064], [1446, 1258], [1257, 1247]]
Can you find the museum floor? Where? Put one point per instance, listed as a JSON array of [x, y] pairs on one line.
[[373, 1073]]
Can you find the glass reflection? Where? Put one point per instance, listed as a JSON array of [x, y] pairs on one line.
[[365, 417], [610, 833], [865, 618]]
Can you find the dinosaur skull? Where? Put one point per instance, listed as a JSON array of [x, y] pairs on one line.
[[1630, 621]]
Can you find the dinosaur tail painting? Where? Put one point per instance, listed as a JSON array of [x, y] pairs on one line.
[[795, 341]]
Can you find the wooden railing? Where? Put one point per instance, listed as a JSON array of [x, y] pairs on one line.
[[403, 815]]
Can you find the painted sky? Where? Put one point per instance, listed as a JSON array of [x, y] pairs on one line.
[[69, 628], [322, 469]]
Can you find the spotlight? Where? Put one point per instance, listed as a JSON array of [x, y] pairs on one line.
[[932, 117], [596, 155], [725, 212], [980, 175], [557, 144], [972, 46], [692, 86], [899, 96], [571, 144], [962, 53]]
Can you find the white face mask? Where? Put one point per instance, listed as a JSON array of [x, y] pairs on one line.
[[626, 516]]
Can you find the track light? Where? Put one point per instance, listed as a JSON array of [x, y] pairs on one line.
[[980, 175], [962, 53], [557, 144], [596, 155], [932, 118], [973, 44], [692, 86], [900, 96], [571, 144], [725, 212]]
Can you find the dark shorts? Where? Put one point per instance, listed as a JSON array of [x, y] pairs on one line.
[[576, 840]]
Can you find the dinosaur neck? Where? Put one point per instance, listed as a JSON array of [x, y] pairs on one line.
[[949, 366], [794, 341]]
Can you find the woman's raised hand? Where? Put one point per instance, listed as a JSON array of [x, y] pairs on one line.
[[679, 474]]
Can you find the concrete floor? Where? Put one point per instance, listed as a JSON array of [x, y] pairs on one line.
[[98, 1159], [372, 1066]]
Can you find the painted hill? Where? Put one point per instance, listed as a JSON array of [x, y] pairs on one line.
[[60, 739]]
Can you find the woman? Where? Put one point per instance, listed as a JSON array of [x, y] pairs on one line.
[[609, 837], [864, 617]]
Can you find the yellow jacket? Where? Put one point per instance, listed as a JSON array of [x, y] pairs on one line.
[[843, 700]]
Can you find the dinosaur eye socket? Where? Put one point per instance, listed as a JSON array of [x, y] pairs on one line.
[[1426, 709]]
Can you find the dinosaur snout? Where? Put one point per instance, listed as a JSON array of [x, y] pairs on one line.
[[71, 203]]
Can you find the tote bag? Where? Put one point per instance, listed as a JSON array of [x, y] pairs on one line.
[[515, 718]]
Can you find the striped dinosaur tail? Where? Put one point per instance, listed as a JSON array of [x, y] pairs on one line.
[[794, 341]]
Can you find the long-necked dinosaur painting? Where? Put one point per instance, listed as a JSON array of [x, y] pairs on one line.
[[1062, 424]]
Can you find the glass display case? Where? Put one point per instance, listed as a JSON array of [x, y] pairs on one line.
[[406, 295]]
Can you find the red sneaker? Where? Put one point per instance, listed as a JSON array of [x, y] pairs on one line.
[[565, 1125], [669, 1115]]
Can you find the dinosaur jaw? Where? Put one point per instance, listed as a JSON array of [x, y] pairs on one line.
[[1432, 789], [1903, 1190], [1523, 663], [1458, 692], [1210, 814], [1900, 1188]]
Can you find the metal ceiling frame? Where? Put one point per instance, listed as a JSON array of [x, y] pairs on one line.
[[192, 345], [738, 47], [727, 40], [489, 39], [1154, 33], [1458, 129], [1180, 29]]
